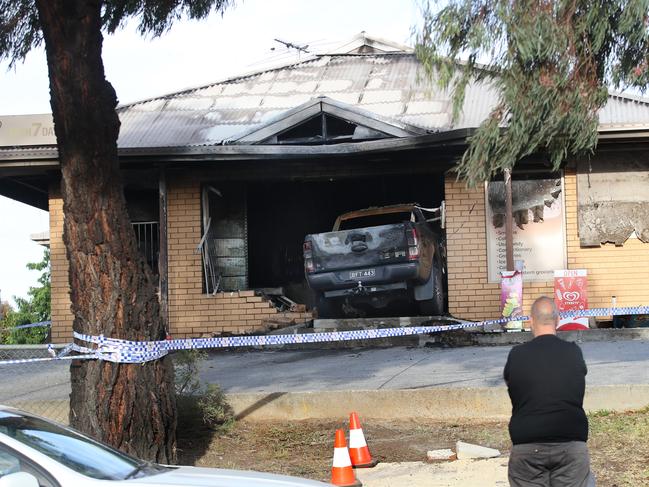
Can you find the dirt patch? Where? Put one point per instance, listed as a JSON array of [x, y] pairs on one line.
[[305, 448], [618, 445]]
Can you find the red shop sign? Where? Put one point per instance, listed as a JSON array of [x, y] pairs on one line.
[[571, 294]]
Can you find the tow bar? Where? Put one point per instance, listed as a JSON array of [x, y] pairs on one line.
[[360, 289]]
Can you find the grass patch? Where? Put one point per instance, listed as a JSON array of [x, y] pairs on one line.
[[619, 447]]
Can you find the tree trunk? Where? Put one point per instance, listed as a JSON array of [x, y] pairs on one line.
[[131, 407]]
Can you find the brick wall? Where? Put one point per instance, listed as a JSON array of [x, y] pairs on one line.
[[61, 314], [470, 296], [619, 271], [191, 313]]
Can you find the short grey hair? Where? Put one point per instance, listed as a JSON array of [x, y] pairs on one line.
[[544, 311]]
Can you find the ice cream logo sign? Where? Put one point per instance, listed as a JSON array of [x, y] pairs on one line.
[[570, 297], [571, 294]]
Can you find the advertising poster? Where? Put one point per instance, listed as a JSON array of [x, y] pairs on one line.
[[511, 298], [539, 228], [571, 294]]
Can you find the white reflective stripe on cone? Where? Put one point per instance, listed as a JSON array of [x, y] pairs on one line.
[[356, 439], [341, 458]]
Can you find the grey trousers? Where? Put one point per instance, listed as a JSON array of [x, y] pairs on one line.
[[550, 465]]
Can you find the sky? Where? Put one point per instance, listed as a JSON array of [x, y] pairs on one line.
[[192, 53]]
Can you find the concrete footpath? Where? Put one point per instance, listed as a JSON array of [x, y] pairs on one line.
[[409, 382], [469, 473]]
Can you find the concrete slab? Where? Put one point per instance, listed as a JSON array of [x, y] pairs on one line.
[[469, 450]]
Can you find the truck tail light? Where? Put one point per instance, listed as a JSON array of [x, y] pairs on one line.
[[411, 237], [413, 244], [307, 248]]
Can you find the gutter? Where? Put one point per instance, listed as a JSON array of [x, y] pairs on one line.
[[48, 155]]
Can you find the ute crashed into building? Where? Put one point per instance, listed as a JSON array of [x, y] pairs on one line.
[[378, 258]]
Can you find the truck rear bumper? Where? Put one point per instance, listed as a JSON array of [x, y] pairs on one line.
[[386, 277], [365, 290]]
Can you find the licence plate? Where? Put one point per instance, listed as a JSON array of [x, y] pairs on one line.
[[363, 273]]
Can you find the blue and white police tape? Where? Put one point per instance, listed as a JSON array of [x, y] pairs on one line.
[[126, 351], [33, 325]]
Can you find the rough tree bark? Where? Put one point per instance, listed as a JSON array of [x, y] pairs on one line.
[[112, 289]]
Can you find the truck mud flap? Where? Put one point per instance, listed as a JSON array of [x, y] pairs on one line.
[[426, 290]]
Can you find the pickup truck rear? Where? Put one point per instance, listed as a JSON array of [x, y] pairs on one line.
[[375, 258]]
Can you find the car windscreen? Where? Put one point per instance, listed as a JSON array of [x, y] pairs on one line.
[[72, 449], [375, 220]]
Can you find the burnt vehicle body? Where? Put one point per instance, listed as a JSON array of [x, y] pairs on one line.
[[375, 259]]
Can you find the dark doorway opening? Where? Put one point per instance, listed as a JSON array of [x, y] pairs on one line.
[[281, 214]]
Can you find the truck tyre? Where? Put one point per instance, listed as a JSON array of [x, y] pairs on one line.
[[435, 305], [327, 307]]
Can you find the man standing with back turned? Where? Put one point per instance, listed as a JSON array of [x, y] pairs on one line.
[[549, 429]]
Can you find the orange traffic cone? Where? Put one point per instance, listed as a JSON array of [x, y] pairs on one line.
[[342, 473], [358, 450]]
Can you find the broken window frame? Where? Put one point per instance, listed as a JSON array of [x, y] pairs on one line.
[[324, 135], [214, 275]]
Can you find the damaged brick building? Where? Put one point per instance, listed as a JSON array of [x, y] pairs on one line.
[[224, 181]]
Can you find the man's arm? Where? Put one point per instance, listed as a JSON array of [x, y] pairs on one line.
[[580, 359], [507, 367]]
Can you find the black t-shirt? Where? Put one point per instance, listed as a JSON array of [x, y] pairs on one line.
[[546, 380]]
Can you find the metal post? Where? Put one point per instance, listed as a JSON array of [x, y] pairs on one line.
[[509, 223]]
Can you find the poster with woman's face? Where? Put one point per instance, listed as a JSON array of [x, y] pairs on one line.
[[539, 227]]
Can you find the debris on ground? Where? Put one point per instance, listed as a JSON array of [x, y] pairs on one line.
[[280, 301], [468, 450], [443, 455]]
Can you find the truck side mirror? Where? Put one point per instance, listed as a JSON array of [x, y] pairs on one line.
[[18, 479]]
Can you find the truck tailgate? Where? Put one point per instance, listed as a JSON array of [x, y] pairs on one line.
[[359, 248]]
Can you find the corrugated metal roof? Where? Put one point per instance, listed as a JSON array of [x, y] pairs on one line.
[[624, 111], [384, 84], [389, 85]]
